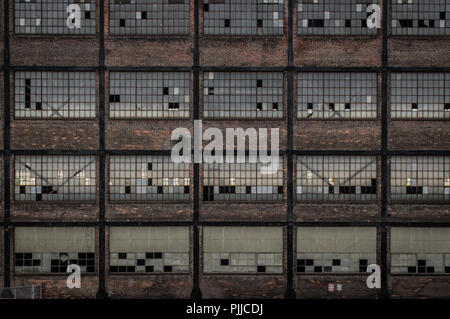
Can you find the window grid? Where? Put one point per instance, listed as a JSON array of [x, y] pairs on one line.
[[336, 95], [155, 17], [420, 17], [149, 262], [420, 263], [336, 178], [334, 17], [420, 95], [241, 182], [237, 17], [149, 94], [55, 95], [243, 262], [336, 262], [54, 262], [55, 178], [50, 16], [243, 95], [242, 249], [420, 178], [148, 178]]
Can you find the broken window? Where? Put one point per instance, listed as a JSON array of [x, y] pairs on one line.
[[243, 95], [235, 17], [55, 95], [148, 178], [420, 17], [50, 17], [243, 249], [55, 178], [421, 178], [336, 95], [336, 249], [241, 182], [417, 250], [143, 17], [149, 249], [420, 95], [330, 17], [53, 249], [149, 94], [336, 178]]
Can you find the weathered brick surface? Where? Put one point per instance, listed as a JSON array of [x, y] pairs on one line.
[[363, 52], [336, 212], [54, 134], [242, 286], [418, 52], [143, 286], [337, 135], [149, 212], [418, 212], [257, 125], [243, 211], [419, 135], [316, 287], [55, 287], [54, 212], [148, 51], [142, 134], [435, 287], [243, 52]]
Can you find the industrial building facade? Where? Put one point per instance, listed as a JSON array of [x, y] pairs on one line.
[[363, 115]]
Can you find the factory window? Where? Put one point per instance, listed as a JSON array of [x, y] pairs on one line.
[[336, 95], [236, 17], [149, 250], [55, 95], [243, 249], [420, 250], [336, 178], [148, 177], [336, 249], [420, 178], [139, 17], [243, 95], [55, 178], [331, 17], [420, 95], [149, 94], [50, 17], [420, 17], [52, 249], [241, 182]]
